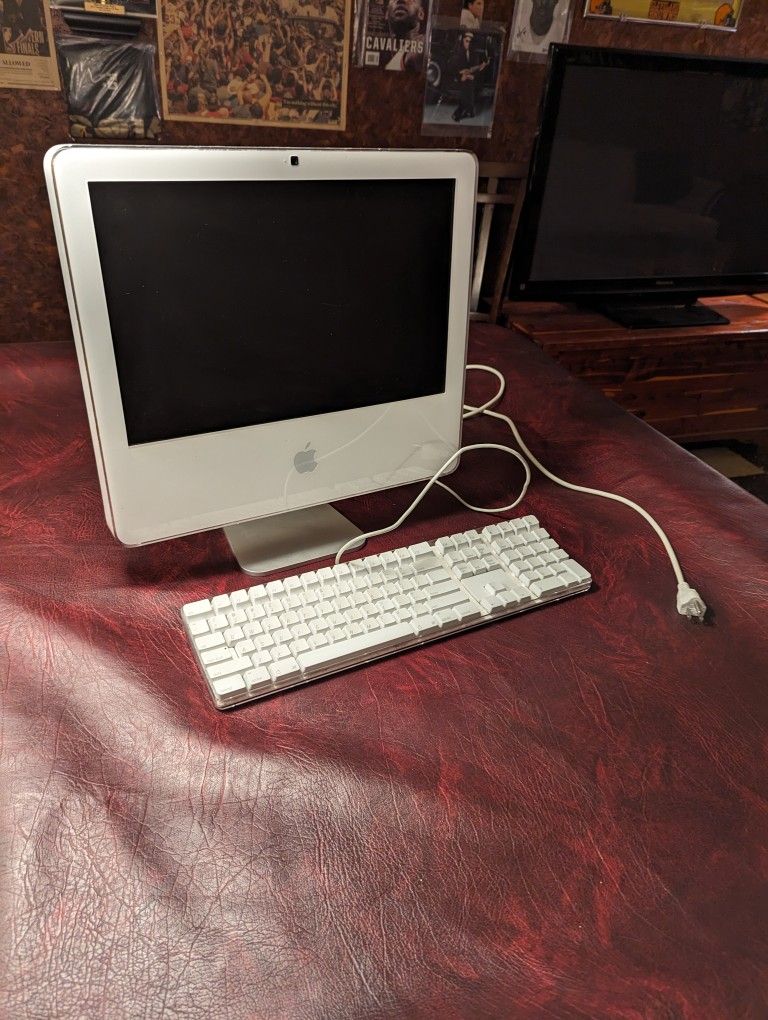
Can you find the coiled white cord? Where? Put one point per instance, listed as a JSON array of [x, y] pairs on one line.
[[434, 481], [689, 602]]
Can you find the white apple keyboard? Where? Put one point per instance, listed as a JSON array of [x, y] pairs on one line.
[[261, 640]]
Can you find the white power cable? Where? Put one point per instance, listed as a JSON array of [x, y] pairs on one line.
[[434, 481], [689, 602]]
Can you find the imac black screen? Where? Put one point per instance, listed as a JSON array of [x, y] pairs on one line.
[[235, 303]]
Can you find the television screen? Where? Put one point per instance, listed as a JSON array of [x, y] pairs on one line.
[[651, 171]]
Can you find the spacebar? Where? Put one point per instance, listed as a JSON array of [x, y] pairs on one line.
[[355, 649]]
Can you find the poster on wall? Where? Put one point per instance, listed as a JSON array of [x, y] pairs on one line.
[[110, 88], [462, 78], [265, 63], [701, 13], [392, 34], [536, 24], [27, 52], [136, 8]]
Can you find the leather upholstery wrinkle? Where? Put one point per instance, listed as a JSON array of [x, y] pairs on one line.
[[561, 815]]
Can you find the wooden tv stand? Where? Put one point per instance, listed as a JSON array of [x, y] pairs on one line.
[[694, 383]]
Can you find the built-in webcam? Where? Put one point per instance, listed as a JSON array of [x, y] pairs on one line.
[[294, 160]]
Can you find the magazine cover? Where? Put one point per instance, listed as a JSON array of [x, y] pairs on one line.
[[393, 34], [707, 13], [462, 78], [269, 63], [27, 53]]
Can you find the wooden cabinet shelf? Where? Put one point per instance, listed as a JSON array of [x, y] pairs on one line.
[[703, 382]]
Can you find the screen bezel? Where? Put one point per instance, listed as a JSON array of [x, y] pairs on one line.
[[521, 286], [172, 487]]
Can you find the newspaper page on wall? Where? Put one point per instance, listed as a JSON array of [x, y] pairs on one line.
[[269, 63], [27, 52], [392, 34], [462, 78], [704, 13]]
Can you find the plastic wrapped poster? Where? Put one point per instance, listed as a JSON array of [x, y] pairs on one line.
[[462, 78], [702, 13], [110, 88], [536, 24], [392, 34], [27, 52], [265, 63]]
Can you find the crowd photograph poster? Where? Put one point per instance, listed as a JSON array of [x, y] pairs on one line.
[[270, 63], [705, 13]]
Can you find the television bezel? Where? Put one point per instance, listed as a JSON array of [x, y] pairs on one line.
[[677, 288], [173, 487]]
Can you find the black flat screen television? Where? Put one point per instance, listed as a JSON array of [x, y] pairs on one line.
[[648, 185]]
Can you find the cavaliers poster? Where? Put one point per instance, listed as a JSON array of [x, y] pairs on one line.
[[704, 13]]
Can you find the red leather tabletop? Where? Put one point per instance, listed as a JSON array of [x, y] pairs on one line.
[[560, 815]]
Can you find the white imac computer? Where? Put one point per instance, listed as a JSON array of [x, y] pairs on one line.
[[261, 332]]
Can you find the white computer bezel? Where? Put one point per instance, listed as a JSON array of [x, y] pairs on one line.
[[169, 488]]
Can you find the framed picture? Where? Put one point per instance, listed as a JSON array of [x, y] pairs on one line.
[[536, 24], [700, 13], [266, 65]]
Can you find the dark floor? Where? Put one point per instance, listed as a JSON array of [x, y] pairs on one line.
[[756, 453]]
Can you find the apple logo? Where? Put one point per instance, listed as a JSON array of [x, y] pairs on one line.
[[305, 460]]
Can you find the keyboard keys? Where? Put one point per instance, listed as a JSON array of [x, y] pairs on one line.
[[229, 690], [547, 585], [200, 608], [209, 641], [454, 598], [252, 643], [466, 612], [257, 679], [283, 669], [578, 572], [214, 655], [234, 665], [353, 648]]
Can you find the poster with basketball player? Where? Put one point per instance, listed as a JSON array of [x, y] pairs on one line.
[[27, 53], [701, 13], [392, 34], [536, 24]]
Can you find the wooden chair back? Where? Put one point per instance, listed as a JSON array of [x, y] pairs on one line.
[[500, 192]]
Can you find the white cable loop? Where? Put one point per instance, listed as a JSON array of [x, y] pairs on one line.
[[434, 480], [689, 602]]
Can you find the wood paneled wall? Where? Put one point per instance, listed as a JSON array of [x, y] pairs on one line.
[[384, 110]]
